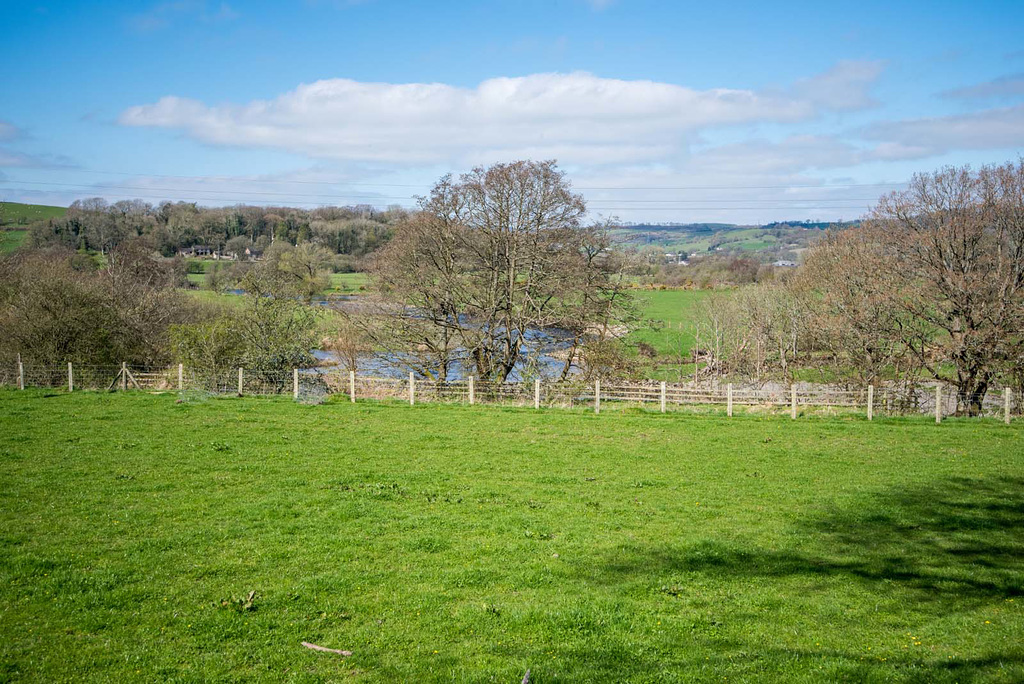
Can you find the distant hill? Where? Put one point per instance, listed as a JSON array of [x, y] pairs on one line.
[[780, 239], [14, 214], [679, 227]]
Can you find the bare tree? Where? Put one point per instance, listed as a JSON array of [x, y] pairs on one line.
[[489, 260], [957, 242], [858, 325]]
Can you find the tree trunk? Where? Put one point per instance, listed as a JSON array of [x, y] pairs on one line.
[[970, 393]]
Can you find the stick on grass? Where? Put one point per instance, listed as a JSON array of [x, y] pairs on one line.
[[324, 649]]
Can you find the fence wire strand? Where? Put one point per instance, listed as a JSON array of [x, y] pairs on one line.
[[318, 384]]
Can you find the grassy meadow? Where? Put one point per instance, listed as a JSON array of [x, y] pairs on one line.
[[667, 325], [457, 543], [341, 283], [11, 240], [348, 283], [668, 315], [15, 213]]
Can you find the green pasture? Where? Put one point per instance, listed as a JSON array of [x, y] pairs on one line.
[[152, 537]]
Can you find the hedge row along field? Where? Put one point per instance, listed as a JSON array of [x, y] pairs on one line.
[[150, 537]]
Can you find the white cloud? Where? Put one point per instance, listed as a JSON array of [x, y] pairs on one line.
[[795, 154], [577, 117], [10, 158], [1008, 86], [1001, 128], [9, 131], [844, 87]]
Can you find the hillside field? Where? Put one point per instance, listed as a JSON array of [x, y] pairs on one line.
[[457, 543], [667, 318], [15, 213], [11, 240]]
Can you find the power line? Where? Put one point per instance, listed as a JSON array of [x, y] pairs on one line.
[[226, 200], [257, 180], [750, 187], [194, 190], [427, 186], [237, 201], [797, 202]]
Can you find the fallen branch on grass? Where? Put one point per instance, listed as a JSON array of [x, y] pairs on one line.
[[324, 649]]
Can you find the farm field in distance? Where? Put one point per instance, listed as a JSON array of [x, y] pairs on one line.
[[672, 311], [341, 283], [666, 325], [471, 543], [347, 283], [16, 213], [11, 240]]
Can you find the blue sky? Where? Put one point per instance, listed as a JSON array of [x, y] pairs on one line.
[[660, 111]]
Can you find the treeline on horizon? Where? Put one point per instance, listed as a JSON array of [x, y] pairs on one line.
[[344, 236], [168, 227]]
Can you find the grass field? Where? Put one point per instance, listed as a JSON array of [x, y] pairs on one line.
[[347, 283], [670, 313], [456, 543], [14, 213], [668, 317], [212, 297], [341, 283], [11, 240]]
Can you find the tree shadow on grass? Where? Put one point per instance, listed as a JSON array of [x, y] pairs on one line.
[[927, 553], [963, 538]]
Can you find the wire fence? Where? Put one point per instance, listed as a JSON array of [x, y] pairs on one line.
[[317, 384]]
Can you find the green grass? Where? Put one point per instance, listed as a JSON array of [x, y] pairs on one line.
[[206, 265], [15, 213], [442, 543], [11, 240], [347, 283], [669, 314], [341, 283], [211, 296]]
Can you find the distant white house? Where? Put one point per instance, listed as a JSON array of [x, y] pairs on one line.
[[784, 264], [677, 258]]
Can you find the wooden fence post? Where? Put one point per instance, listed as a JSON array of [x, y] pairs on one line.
[[792, 402], [124, 376], [239, 382], [1006, 405], [696, 363], [938, 403], [295, 383], [352, 386], [663, 398], [21, 374], [536, 393], [412, 389], [71, 378], [181, 376], [871, 402], [728, 400], [597, 396], [472, 391]]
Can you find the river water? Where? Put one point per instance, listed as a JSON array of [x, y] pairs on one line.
[[545, 347]]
